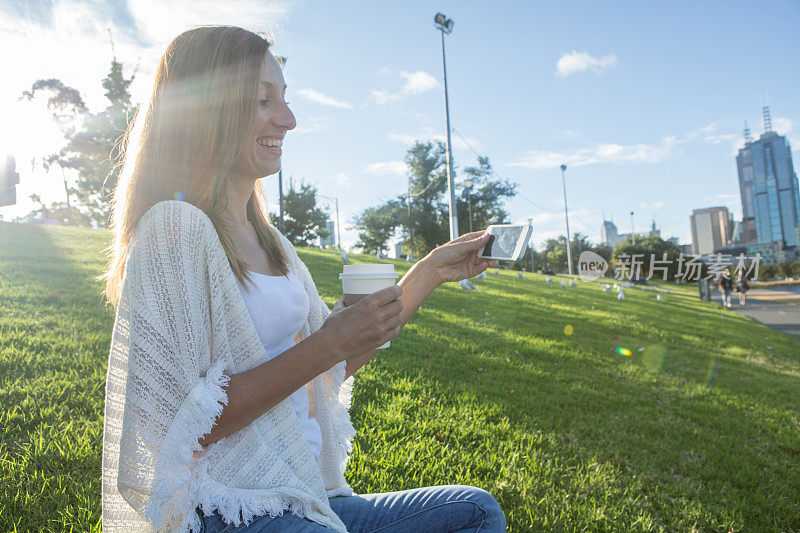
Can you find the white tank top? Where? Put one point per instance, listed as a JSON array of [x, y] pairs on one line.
[[278, 306]]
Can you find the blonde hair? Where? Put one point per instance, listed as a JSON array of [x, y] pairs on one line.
[[196, 127]]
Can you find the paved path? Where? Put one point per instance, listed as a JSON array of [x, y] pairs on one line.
[[770, 307]]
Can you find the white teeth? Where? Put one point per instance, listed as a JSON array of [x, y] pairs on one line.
[[270, 143]]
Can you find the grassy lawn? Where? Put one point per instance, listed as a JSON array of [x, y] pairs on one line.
[[576, 411]]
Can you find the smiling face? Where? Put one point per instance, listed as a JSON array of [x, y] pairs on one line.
[[273, 118]]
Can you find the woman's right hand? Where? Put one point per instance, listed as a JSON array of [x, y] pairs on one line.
[[371, 322]]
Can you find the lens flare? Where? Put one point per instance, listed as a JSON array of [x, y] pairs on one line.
[[568, 330], [624, 351], [653, 357], [179, 196], [711, 374]]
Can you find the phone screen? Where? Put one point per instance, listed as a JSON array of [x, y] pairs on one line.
[[503, 242]]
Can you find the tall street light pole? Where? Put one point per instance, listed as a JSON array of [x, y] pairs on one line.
[[530, 246], [445, 25], [566, 216], [633, 232], [468, 187], [410, 227], [282, 62]]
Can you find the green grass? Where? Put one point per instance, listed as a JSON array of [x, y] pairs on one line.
[[698, 429]]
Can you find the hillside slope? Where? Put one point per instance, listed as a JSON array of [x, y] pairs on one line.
[[577, 411]]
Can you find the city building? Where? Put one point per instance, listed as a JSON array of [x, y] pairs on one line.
[[398, 250], [609, 234], [9, 179], [712, 228], [330, 240], [769, 192]]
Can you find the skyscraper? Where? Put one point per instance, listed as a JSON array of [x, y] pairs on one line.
[[769, 190], [711, 229]]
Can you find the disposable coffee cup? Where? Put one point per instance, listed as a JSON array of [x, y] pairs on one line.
[[362, 280]]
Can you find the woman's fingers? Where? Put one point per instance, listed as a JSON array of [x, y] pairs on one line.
[[384, 296], [392, 308], [468, 236], [474, 244]]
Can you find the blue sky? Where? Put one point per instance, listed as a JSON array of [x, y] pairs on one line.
[[644, 102]]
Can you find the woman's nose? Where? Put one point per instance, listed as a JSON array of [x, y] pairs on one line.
[[286, 119]]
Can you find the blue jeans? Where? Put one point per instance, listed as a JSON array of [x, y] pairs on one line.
[[443, 508]]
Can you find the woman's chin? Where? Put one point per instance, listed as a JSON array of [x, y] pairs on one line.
[[269, 170]]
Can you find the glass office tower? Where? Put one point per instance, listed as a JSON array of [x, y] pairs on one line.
[[769, 189]]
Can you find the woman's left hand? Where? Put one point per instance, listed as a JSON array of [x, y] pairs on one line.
[[458, 259]]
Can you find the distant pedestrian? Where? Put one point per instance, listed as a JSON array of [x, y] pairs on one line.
[[725, 287], [742, 286]]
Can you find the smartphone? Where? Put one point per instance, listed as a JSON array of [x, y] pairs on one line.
[[507, 242]]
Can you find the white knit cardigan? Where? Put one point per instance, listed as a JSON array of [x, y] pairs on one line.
[[181, 329]]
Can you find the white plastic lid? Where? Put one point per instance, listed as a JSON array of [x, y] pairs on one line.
[[379, 271], [368, 269]]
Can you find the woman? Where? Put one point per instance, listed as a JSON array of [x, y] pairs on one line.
[[226, 396], [725, 287], [742, 286]]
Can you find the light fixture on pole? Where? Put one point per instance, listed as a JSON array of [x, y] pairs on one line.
[[468, 187], [633, 232], [445, 25], [566, 216], [338, 232]]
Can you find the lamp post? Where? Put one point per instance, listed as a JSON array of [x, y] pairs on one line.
[[410, 227], [468, 187], [633, 232], [566, 216], [338, 231], [530, 246], [282, 62], [445, 25]]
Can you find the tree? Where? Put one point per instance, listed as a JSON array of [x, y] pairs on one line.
[[94, 144], [377, 225], [67, 106], [58, 211], [425, 219], [485, 199], [646, 249], [555, 252], [424, 210], [303, 220], [95, 150]]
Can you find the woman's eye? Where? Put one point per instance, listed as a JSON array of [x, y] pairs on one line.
[[263, 102]]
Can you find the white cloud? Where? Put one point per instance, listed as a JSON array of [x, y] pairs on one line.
[[428, 135], [575, 62], [622, 154], [782, 125], [309, 125], [597, 153], [415, 83], [387, 168], [342, 179], [69, 40], [721, 138], [161, 21], [318, 97], [725, 197], [418, 82]]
